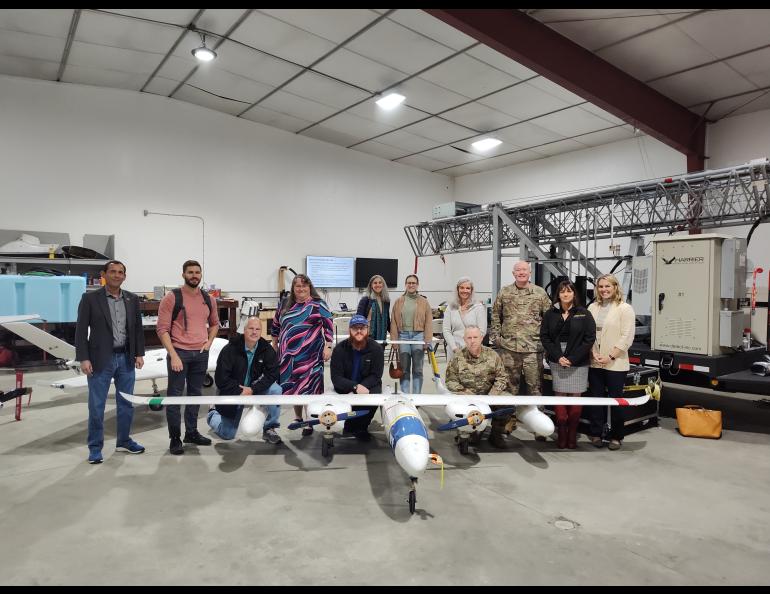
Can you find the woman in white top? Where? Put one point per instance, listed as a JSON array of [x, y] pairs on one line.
[[615, 329], [463, 311]]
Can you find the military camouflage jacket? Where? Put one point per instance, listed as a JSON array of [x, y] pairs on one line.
[[516, 318], [484, 374]]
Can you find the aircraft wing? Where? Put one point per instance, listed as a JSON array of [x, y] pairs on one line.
[[57, 347], [379, 399], [8, 319], [79, 381], [284, 400], [444, 399]]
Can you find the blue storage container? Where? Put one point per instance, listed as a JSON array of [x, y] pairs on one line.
[[53, 298]]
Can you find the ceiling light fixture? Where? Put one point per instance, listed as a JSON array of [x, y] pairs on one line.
[[203, 53], [390, 101], [486, 144]]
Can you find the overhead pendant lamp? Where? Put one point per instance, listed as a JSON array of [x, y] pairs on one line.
[[203, 53]]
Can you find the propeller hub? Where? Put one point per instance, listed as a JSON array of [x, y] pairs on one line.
[[327, 418], [475, 418]]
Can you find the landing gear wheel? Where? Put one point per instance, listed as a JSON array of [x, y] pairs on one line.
[[412, 501], [208, 381], [462, 445], [326, 447], [156, 407]]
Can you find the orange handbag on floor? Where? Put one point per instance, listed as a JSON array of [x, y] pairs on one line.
[[696, 421]]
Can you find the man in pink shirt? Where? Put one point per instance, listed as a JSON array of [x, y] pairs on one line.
[[188, 322]]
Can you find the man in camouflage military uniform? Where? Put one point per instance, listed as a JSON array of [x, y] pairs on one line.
[[476, 369], [516, 317]]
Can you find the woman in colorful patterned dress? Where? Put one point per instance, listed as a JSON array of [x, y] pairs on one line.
[[302, 335]]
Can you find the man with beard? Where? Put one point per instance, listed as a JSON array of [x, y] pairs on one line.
[[183, 317], [356, 368]]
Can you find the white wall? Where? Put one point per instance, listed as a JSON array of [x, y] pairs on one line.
[[82, 159], [734, 141], [739, 139], [616, 163]]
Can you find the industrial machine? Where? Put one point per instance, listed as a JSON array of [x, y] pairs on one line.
[[697, 281]]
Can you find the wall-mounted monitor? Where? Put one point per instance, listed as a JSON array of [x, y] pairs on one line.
[[331, 272], [366, 268]]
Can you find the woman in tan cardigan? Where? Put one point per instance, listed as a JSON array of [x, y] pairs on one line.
[[615, 328], [412, 319]]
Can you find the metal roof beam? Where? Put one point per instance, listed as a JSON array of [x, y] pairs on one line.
[[539, 48]]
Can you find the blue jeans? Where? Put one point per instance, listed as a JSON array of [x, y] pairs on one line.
[[411, 356], [194, 367], [226, 428], [122, 371]]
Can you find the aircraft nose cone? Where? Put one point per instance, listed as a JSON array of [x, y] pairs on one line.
[[412, 454]]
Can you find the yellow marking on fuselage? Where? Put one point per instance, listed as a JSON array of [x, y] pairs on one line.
[[401, 416]]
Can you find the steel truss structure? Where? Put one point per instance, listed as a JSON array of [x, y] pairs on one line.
[[704, 200]]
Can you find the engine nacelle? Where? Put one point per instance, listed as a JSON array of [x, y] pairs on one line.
[[252, 421], [474, 412], [327, 410], [534, 421]]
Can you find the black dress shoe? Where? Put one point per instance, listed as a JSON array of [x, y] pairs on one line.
[[196, 438], [176, 447]]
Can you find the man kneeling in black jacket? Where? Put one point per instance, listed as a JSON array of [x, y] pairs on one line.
[[356, 368], [246, 366]]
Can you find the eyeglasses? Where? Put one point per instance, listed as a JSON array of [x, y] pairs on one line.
[[359, 328]]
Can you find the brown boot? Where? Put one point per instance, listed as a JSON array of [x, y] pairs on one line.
[[561, 442], [510, 426]]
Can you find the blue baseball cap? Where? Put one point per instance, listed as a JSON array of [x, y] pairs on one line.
[[358, 320]]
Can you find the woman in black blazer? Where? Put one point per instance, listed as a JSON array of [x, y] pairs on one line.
[[568, 333]]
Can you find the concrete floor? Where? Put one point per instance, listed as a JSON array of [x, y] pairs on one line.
[[663, 510]]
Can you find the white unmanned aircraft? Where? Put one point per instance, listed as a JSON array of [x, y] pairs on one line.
[[406, 431], [154, 360]]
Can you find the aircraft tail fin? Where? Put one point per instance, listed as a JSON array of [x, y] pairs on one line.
[[49, 343]]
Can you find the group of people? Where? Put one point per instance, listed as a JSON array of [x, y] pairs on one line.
[[584, 348]]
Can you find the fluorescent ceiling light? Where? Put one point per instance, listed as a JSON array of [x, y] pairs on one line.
[[486, 144], [390, 101]]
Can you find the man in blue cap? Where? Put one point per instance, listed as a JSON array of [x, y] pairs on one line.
[[356, 368]]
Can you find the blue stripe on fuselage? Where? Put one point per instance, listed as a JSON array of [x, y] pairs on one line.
[[407, 425]]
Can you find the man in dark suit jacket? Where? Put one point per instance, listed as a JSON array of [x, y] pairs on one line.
[[111, 350]]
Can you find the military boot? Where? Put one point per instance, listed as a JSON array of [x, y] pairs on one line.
[[496, 440]]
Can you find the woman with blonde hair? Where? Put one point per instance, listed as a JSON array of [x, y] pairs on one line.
[[375, 307], [463, 311], [615, 329]]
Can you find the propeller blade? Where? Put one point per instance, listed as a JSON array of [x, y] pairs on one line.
[[456, 424], [340, 417], [308, 423], [508, 410], [351, 415]]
